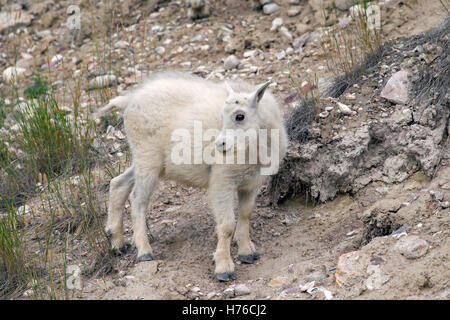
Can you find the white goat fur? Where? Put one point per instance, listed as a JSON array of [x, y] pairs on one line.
[[169, 101]]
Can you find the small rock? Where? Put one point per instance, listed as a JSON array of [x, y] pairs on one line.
[[229, 48], [270, 8], [276, 23], [292, 12], [349, 270], [210, 295], [286, 34], [351, 233], [323, 114], [280, 55], [197, 38], [121, 44], [228, 293], [396, 89], [344, 4], [437, 195], [231, 62], [278, 282], [445, 186], [160, 51], [294, 2], [412, 247], [344, 109], [13, 74], [241, 290], [445, 204]]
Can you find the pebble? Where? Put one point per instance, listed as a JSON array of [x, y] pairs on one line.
[[271, 8], [437, 195], [228, 293], [241, 290], [13, 73], [286, 34], [344, 4], [349, 269], [231, 62], [121, 44], [323, 114], [210, 295], [276, 23], [412, 247], [396, 89], [445, 204], [197, 38], [294, 11], [278, 282], [280, 55], [160, 50], [344, 109]]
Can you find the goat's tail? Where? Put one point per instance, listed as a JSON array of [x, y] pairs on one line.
[[120, 102]]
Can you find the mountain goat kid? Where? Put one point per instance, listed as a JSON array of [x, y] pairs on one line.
[[182, 127]]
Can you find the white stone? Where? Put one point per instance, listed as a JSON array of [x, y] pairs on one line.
[[271, 8], [231, 62], [276, 23], [396, 89], [121, 44], [13, 73]]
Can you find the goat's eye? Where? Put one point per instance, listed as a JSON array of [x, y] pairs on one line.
[[240, 117], [237, 102]]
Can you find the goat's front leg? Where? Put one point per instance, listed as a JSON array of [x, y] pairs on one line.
[[140, 196], [246, 248], [221, 199]]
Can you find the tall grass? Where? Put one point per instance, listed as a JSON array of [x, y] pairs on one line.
[[347, 44], [53, 142], [55, 147]]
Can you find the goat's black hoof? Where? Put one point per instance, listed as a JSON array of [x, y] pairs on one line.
[[122, 250], [249, 259], [145, 257], [226, 276]]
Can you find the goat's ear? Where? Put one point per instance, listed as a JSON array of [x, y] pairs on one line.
[[229, 89], [258, 94]]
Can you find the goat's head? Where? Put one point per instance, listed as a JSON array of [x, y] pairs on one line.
[[239, 114]]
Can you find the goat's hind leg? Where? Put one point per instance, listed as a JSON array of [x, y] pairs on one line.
[[140, 196], [119, 190]]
